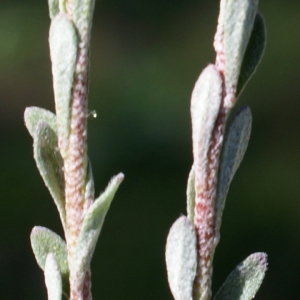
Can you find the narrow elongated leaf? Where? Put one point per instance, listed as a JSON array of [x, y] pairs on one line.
[[50, 165], [254, 52], [53, 278], [244, 282], [238, 19], [63, 52], [234, 147], [53, 8], [190, 195], [33, 115], [181, 258], [89, 189], [92, 225], [44, 241], [205, 106]]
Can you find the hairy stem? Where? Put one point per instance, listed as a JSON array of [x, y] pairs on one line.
[[204, 218], [76, 162]]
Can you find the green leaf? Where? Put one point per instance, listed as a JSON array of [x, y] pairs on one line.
[[205, 106], [53, 278], [33, 115], [235, 145], [190, 195], [53, 8], [91, 227], [254, 52], [181, 258], [63, 52], [50, 165], [44, 241], [245, 280], [237, 22]]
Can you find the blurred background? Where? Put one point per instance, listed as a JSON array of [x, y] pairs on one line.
[[145, 58]]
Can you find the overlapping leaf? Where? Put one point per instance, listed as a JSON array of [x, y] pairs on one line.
[[53, 8], [89, 188], [234, 147], [238, 19], [91, 227], [63, 51], [33, 115], [44, 241], [82, 17], [181, 258], [53, 278], [254, 52], [50, 165], [205, 106], [245, 280], [190, 195]]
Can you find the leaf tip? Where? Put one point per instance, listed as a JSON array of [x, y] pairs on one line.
[[120, 177], [261, 259], [35, 230]]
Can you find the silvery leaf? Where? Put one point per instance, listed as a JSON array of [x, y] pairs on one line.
[[50, 165], [235, 25], [53, 278], [92, 225], [44, 241], [234, 147], [245, 280], [181, 258], [190, 194], [53, 8], [33, 115], [254, 52], [82, 16], [63, 52], [205, 107]]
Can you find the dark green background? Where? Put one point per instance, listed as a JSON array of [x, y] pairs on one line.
[[146, 57]]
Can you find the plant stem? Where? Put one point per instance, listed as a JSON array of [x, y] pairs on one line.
[[76, 166], [76, 160], [75, 163], [204, 218]]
